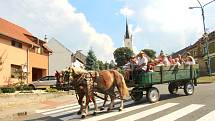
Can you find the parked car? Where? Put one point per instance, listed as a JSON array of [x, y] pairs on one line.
[[44, 82]]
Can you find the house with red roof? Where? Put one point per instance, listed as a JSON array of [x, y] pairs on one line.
[[23, 57]]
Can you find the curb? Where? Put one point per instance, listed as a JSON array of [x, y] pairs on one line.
[[205, 82]]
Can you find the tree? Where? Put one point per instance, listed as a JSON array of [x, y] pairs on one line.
[[101, 65], [106, 65], [112, 64], [151, 53], [91, 61], [121, 55]]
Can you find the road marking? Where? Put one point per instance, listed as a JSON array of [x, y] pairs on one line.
[[180, 113], [111, 114], [97, 117], [148, 112], [209, 117], [64, 109], [72, 111], [58, 111], [59, 107]]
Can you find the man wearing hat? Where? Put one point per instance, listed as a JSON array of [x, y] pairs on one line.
[[142, 61], [129, 67], [189, 59]]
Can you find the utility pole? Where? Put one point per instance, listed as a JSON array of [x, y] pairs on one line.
[[205, 35]]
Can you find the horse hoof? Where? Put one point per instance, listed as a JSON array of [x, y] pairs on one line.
[[79, 112], [120, 109], [94, 113], [83, 116], [102, 108]]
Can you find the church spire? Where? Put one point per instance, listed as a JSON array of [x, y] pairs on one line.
[[127, 37], [127, 32]]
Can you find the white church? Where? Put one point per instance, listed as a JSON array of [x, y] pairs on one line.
[[128, 38]]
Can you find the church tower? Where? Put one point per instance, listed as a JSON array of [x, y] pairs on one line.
[[127, 38]]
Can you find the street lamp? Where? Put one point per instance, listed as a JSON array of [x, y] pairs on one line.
[[205, 33]]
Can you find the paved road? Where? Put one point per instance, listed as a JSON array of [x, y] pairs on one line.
[[200, 106]]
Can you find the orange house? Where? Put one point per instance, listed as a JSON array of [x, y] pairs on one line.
[[21, 54]]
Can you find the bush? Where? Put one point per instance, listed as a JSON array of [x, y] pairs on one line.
[[26, 87], [22, 87], [8, 89], [51, 90], [0, 91]]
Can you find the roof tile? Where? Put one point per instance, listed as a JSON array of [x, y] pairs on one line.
[[14, 31]]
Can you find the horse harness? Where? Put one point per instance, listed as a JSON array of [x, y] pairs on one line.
[[84, 84], [89, 84]]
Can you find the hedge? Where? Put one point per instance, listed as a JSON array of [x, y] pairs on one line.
[[23, 87], [8, 89]]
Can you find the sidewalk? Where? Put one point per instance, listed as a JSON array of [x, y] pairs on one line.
[[22, 111], [206, 79]]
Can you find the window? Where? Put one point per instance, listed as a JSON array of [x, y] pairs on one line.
[[16, 44], [205, 50], [52, 78], [39, 50], [16, 71], [48, 78], [194, 53], [44, 79]]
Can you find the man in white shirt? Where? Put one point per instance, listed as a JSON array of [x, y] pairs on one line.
[[142, 61], [189, 59], [166, 61]]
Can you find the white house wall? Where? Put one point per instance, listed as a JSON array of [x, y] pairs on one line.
[[60, 58]]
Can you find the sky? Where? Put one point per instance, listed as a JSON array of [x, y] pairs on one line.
[[166, 25]]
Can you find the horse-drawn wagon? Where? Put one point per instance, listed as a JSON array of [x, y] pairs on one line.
[[88, 83], [177, 77]]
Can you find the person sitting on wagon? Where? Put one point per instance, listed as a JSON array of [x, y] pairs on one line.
[[171, 60], [180, 59], [150, 66], [142, 62], [130, 67], [163, 61], [177, 62], [189, 59], [127, 70], [133, 62]]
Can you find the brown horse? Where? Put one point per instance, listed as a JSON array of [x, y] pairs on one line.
[[104, 82]]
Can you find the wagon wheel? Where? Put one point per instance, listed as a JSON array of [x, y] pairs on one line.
[[152, 95], [188, 88], [173, 88], [136, 94]]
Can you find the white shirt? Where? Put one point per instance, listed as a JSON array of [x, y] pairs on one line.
[[143, 60], [192, 62], [178, 64], [166, 61]]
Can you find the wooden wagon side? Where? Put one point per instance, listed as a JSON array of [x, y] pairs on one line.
[[178, 77]]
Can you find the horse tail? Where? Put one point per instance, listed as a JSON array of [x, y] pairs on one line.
[[121, 85]]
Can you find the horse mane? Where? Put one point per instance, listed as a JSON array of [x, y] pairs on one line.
[[78, 70]]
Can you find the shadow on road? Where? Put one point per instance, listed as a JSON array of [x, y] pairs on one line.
[[170, 96], [47, 118]]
